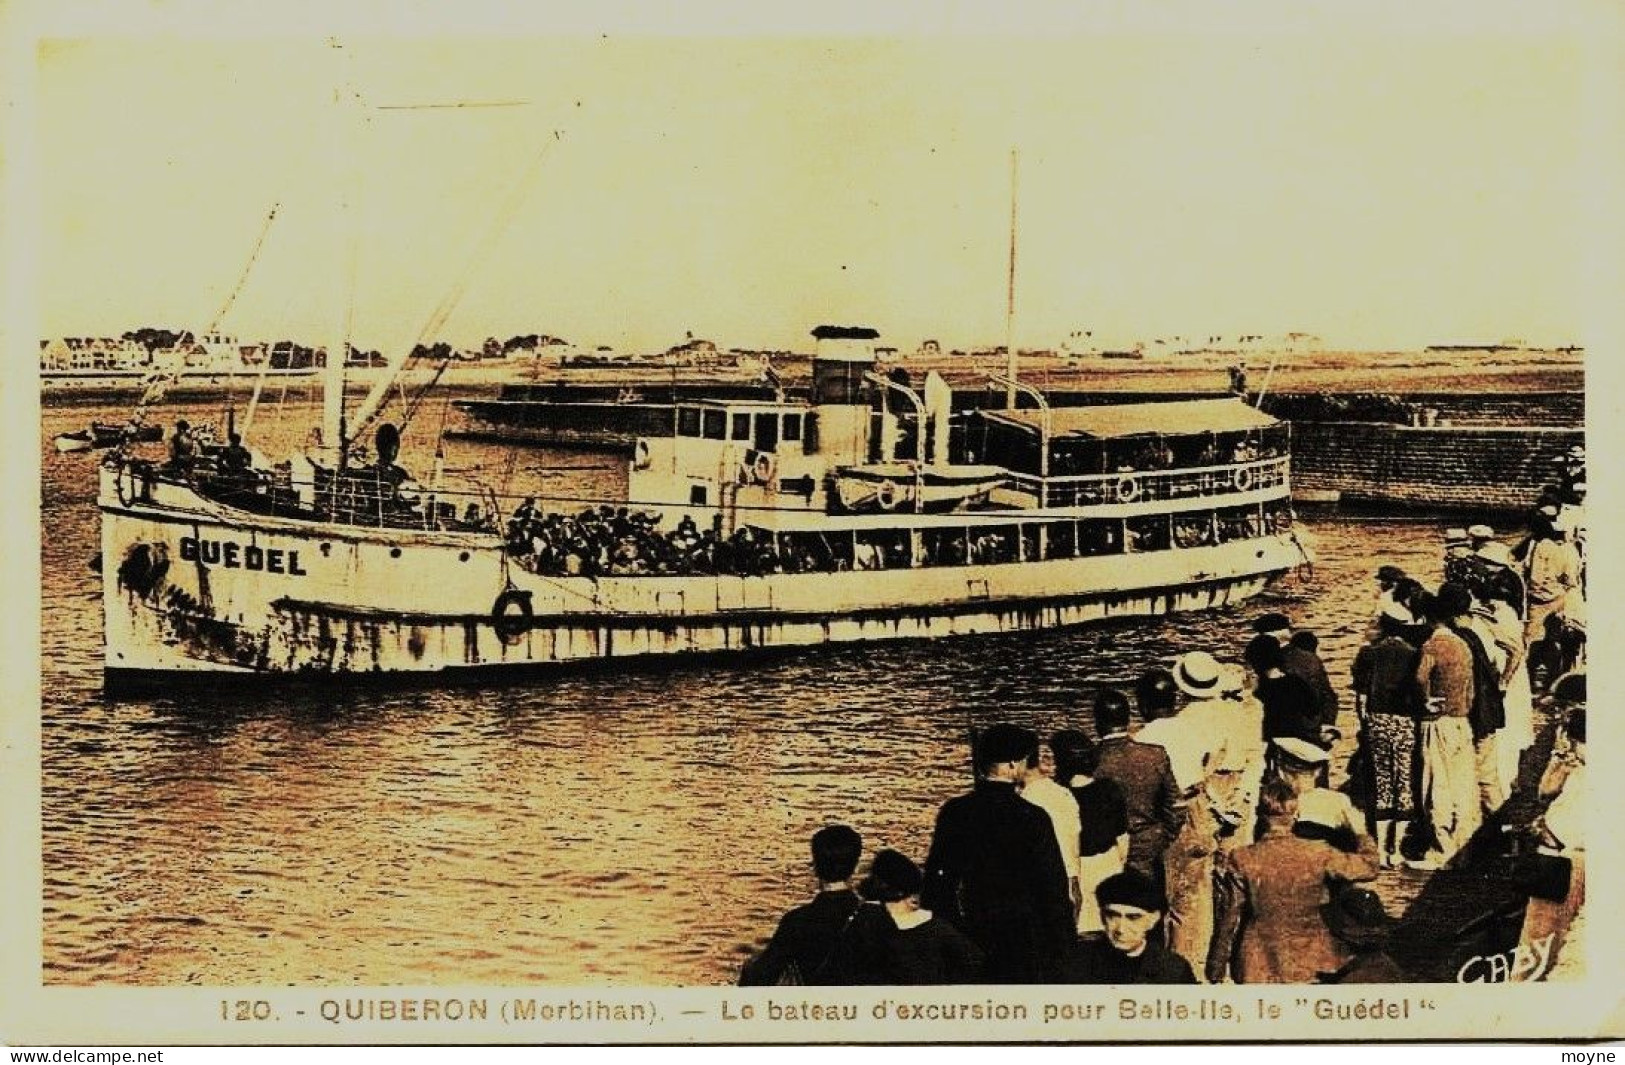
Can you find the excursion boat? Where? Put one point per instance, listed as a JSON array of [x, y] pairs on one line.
[[101, 435], [736, 534]]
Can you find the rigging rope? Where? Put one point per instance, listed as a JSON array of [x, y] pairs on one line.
[[157, 384], [448, 305]]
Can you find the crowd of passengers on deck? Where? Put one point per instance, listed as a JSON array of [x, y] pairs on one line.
[[620, 541]]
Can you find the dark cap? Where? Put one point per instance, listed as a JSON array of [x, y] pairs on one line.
[[892, 878], [1356, 916], [1263, 652], [1570, 687], [1272, 622], [1390, 573], [1004, 743], [1131, 888], [1454, 599]]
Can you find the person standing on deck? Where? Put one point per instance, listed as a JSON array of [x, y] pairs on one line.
[[1561, 829], [182, 448], [1449, 794], [995, 869], [1146, 779], [1500, 578]]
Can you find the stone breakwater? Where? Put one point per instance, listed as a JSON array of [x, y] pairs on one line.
[[1472, 468]]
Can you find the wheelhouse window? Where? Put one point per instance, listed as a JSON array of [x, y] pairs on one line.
[[792, 427], [766, 436], [716, 425], [688, 421], [741, 427]]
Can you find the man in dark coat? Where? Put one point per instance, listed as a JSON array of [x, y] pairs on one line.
[[805, 941], [1290, 705], [1145, 777], [1300, 657], [995, 869], [1132, 906]]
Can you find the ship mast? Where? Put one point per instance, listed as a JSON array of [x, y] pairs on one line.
[[1010, 300], [333, 443]]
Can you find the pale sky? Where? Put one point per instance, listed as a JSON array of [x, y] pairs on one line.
[[1370, 181]]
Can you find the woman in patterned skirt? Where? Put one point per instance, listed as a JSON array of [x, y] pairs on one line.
[[1385, 675]]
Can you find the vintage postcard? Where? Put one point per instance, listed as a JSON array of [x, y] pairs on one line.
[[764, 525]]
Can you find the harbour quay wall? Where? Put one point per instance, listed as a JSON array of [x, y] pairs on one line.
[[1456, 467], [1510, 408]]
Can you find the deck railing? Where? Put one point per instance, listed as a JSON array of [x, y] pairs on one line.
[[1154, 486]]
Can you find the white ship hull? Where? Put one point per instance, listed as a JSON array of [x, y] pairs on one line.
[[248, 594]]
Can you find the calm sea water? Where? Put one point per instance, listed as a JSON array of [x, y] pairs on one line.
[[637, 826]]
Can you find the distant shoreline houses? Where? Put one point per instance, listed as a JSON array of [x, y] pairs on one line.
[[144, 349]]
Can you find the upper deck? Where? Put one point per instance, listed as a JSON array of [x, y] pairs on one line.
[[1140, 453]]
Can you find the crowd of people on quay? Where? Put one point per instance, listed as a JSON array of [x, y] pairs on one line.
[[1206, 844]]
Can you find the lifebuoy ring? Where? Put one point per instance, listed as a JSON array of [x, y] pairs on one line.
[[640, 455], [1242, 478], [886, 495], [511, 615], [762, 468], [1128, 490]]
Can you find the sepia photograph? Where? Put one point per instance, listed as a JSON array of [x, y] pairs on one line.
[[887, 526]]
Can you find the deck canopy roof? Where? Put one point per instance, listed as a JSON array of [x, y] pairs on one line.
[[1190, 417]]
